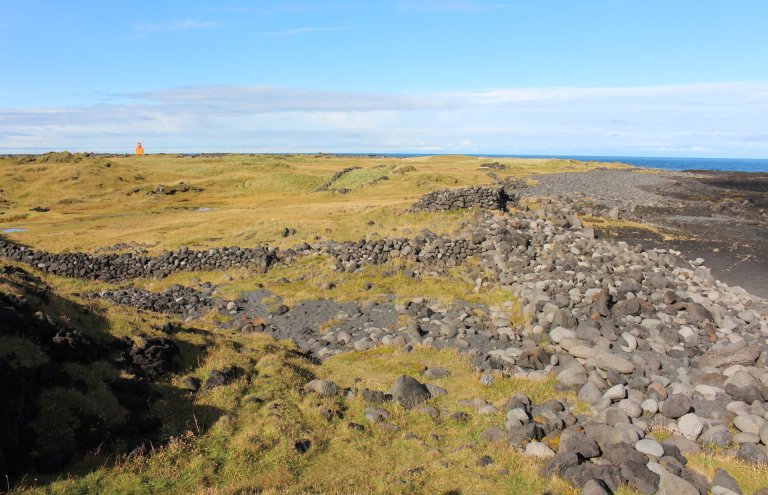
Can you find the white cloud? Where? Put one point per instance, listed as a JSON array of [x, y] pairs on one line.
[[459, 6], [303, 30], [181, 25], [703, 119]]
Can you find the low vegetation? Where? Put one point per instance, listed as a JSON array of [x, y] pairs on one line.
[[260, 432]]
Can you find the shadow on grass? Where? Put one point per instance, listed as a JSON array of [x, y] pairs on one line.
[[73, 396]]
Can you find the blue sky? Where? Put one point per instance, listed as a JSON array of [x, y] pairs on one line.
[[600, 77]]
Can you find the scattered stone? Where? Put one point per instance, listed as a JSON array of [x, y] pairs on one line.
[[302, 446], [484, 461], [323, 388], [409, 392]]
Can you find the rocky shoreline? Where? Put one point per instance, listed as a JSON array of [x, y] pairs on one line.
[[647, 337]]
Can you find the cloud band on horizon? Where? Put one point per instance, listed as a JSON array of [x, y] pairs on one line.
[[726, 119]]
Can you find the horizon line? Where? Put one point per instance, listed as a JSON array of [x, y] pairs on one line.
[[388, 153]]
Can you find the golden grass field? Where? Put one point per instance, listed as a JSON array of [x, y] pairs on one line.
[[222, 443], [251, 198]]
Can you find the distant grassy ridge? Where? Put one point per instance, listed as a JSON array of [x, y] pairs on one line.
[[249, 198]]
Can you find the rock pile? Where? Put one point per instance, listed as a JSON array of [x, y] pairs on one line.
[[178, 300], [490, 198], [597, 455]]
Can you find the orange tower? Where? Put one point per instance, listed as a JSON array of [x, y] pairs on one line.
[[139, 149]]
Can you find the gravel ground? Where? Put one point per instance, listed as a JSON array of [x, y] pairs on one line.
[[603, 184], [719, 216]]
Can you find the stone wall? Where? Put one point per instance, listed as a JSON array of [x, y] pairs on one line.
[[489, 198], [119, 267]]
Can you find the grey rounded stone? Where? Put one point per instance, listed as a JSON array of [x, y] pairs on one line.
[[690, 426], [649, 446], [538, 449], [745, 437], [436, 373], [589, 393], [718, 436], [616, 392], [669, 484], [607, 361], [375, 414], [749, 423], [675, 405], [435, 391], [595, 487], [763, 433], [724, 481], [573, 376], [630, 407], [650, 406]]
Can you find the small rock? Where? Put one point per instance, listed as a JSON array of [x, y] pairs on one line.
[[323, 388], [436, 373], [302, 446], [484, 461]]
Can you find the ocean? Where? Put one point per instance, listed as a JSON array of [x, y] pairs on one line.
[[725, 164]]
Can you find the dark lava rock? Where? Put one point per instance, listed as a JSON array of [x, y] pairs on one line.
[[74, 345], [375, 396], [493, 434], [518, 435], [640, 477], [571, 441], [153, 358], [302, 446], [484, 461], [623, 452], [218, 378], [191, 383], [610, 476], [409, 392]]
